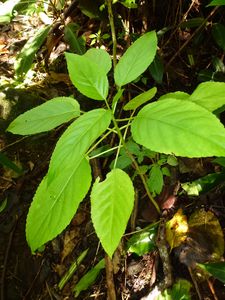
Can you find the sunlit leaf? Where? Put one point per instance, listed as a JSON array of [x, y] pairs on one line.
[[87, 76], [216, 2], [112, 202], [136, 59], [100, 55], [176, 229], [144, 241], [45, 116], [210, 95], [140, 99], [168, 126], [203, 184]]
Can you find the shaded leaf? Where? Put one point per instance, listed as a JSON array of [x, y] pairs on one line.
[[192, 23], [144, 241], [155, 180], [25, 58], [136, 59], [72, 269], [216, 269], [140, 99], [45, 116], [111, 205], [77, 44], [87, 76], [218, 32], [89, 278], [168, 126], [181, 290], [157, 69], [5, 161], [101, 58], [206, 223]]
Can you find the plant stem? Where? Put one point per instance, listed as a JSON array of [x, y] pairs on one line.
[[113, 31], [133, 160]]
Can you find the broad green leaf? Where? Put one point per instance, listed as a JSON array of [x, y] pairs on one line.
[[77, 44], [75, 141], [157, 69], [144, 241], [155, 180], [68, 179], [112, 202], [216, 269], [218, 32], [210, 95], [140, 99], [89, 278], [87, 76], [55, 204], [175, 95], [179, 127], [136, 59], [3, 204], [216, 2], [25, 58], [101, 58], [45, 116]]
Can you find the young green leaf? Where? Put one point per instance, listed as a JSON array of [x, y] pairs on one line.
[[101, 58], [75, 141], [216, 269], [89, 278], [45, 116], [175, 95], [55, 204], [111, 205], [136, 59], [87, 76], [25, 58], [155, 180], [144, 241], [218, 31], [140, 99], [179, 127], [210, 95]]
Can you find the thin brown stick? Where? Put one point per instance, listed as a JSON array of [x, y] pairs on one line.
[[191, 37]]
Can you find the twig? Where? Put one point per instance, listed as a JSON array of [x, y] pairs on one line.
[[113, 31], [111, 293], [6, 261], [191, 37], [164, 255]]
